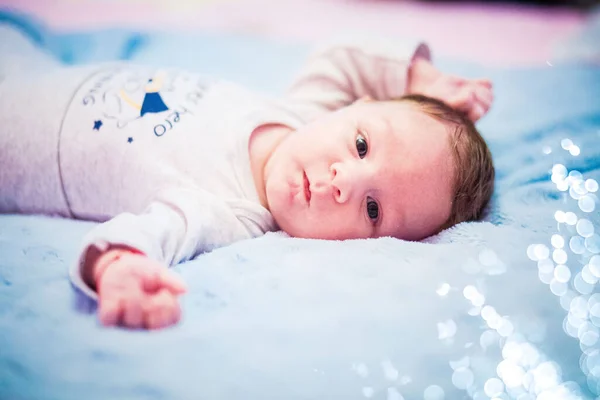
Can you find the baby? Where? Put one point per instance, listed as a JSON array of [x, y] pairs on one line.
[[371, 140]]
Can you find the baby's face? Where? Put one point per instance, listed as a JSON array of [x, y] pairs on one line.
[[371, 169]]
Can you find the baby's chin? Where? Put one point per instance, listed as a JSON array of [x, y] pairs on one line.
[[299, 232]]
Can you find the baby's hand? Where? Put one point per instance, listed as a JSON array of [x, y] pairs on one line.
[[136, 292], [473, 97]]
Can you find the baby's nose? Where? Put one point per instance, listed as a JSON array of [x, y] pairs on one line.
[[335, 190], [346, 181]]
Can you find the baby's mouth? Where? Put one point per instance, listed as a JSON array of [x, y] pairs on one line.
[[306, 188]]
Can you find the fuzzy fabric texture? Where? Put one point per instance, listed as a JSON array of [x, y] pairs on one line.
[[463, 314]]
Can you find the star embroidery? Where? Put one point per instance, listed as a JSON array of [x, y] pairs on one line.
[[130, 140], [97, 125]]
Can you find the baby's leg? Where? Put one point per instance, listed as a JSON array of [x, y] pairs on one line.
[[32, 106]]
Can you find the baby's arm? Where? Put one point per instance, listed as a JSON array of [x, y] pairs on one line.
[[123, 261], [339, 74], [382, 70]]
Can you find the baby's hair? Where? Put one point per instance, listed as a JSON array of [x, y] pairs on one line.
[[474, 169]]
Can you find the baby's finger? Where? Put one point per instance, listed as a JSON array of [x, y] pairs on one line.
[[159, 319], [464, 100], [485, 96], [172, 282], [110, 311], [133, 313], [163, 310], [476, 112], [150, 282], [163, 278], [483, 81]]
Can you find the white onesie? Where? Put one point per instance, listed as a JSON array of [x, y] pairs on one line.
[[162, 154]]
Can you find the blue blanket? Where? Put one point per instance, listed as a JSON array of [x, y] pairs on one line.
[[507, 308]]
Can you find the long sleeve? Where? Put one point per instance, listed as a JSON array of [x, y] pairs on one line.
[[338, 74], [175, 227]]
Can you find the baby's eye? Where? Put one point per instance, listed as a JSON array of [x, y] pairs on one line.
[[361, 146], [372, 209]]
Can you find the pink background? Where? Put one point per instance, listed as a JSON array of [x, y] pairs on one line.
[[501, 35]]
